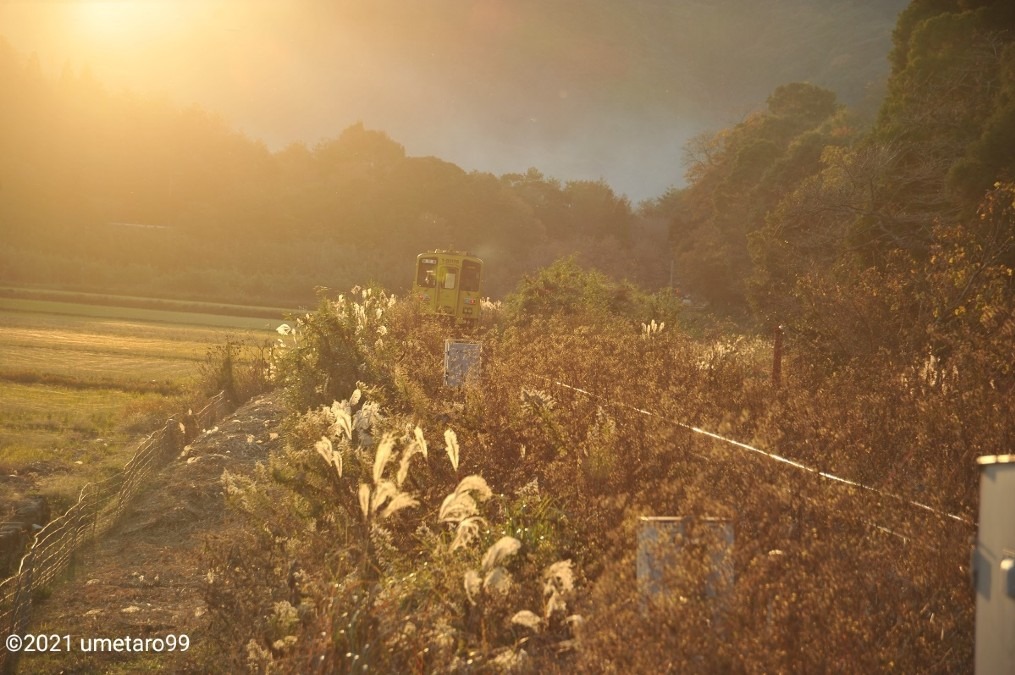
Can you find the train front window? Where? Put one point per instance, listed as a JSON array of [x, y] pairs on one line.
[[426, 273], [450, 277], [470, 276]]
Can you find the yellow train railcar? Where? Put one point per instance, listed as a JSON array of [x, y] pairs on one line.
[[448, 283]]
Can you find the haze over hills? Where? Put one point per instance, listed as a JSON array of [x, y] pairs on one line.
[[579, 90]]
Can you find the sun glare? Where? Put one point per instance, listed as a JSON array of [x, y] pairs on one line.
[[118, 18]]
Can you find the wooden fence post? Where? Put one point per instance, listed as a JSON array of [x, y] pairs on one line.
[[777, 358]]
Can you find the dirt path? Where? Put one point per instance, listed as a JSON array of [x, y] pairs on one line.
[[144, 579]]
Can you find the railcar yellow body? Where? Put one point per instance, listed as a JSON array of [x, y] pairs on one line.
[[448, 283]]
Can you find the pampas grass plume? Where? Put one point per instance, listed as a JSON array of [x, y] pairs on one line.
[[502, 549], [383, 455], [451, 441]]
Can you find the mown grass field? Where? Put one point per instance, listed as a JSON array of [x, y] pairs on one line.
[[80, 382]]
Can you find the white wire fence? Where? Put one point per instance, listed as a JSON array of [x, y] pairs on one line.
[[99, 506], [785, 461]]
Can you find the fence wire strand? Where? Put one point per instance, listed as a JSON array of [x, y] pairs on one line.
[[774, 457]]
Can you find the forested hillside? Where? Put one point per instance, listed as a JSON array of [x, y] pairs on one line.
[[116, 192], [105, 189], [866, 237], [785, 215]]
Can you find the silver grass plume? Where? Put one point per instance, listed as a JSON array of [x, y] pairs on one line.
[[460, 504], [527, 619], [502, 549], [383, 456], [451, 445], [331, 456]]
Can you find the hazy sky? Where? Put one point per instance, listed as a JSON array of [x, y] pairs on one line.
[[492, 85]]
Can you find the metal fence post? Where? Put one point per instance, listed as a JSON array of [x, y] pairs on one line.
[[462, 361], [993, 567], [664, 559]]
